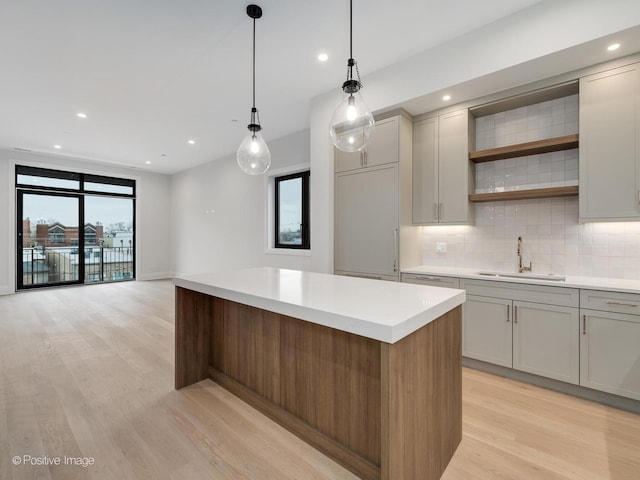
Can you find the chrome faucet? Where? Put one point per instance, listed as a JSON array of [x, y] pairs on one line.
[[522, 268]]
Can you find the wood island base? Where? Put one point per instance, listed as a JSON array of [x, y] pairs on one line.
[[383, 411]]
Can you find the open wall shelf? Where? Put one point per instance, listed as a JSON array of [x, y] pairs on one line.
[[569, 191], [556, 144]]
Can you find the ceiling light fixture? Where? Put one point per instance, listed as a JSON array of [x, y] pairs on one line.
[[191, 142], [446, 98], [352, 124], [323, 57], [613, 46], [57, 147], [81, 115], [254, 157]]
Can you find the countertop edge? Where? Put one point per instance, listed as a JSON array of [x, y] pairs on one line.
[[369, 329], [583, 283]]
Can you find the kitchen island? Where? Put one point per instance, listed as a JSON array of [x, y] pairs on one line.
[[366, 371]]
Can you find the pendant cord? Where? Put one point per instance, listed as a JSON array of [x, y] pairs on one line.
[[254, 63], [350, 28]]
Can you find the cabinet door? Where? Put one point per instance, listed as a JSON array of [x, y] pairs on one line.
[[425, 171], [366, 221], [346, 161], [383, 147], [610, 145], [453, 167], [610, 352], [546, 341], [487, 332]]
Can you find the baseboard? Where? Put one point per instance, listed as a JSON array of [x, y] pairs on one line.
[[6, 290], [609, 399], [154, 276]]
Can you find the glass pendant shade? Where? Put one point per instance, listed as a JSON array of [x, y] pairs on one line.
[[254, 157], [352, 124]]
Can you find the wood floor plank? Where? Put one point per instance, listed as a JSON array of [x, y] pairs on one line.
[[89, 371]]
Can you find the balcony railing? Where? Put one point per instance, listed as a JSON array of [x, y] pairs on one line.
[[43, 265]]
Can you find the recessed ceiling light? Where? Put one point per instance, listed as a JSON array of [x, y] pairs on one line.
[[81, 115], [148, 162], [57, 147], [191, 142], [613, 46], [323, 57], [446, 97]]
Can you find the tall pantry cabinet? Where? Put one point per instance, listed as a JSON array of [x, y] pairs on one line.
[[374, 237]]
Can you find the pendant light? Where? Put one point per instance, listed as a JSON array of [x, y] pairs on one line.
[[254, 157], [352, 124]]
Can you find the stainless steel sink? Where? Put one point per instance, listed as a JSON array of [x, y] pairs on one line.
[[530, 276]]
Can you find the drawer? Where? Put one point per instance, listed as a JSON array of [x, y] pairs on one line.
[[562, 296], [610, 301], [431, 280]]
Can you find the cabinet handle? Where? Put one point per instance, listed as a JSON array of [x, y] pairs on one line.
[[395, 249], [508, 313], [440, 210], [433, 279], [623, 304], [515, 314], [584, 324], [435, 211], [362, 159], [366, 157], [362, 275]]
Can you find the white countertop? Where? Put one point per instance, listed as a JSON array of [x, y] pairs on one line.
[[381, 310], [589, 283]]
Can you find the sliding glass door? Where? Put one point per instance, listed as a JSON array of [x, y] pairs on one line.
[[48, 239], [73, 228]]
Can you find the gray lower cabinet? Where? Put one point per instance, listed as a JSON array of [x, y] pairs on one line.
[[610, 342], [584, 337], [486, 330], [431, 280], [529, 328], [545, 341]]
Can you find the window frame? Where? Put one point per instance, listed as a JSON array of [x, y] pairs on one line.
[[305, 210]]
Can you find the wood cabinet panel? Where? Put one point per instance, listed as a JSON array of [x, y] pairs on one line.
[[193, 311], [422, 392]]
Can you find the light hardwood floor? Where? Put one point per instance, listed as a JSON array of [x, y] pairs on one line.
[[88, 372]]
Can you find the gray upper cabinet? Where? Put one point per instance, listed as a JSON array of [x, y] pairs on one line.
[[382, 149], [610, 145], [441, 172]]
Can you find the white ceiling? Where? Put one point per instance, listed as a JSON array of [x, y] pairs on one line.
[[152, 74]]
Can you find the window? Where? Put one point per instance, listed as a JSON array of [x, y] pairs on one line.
[[63, 219], [292, 211]]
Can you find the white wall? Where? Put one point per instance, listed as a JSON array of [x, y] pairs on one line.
[[502, 55], [218, 213], [152, 212]]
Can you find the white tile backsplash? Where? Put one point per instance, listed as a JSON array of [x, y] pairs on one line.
[[553, 241]]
